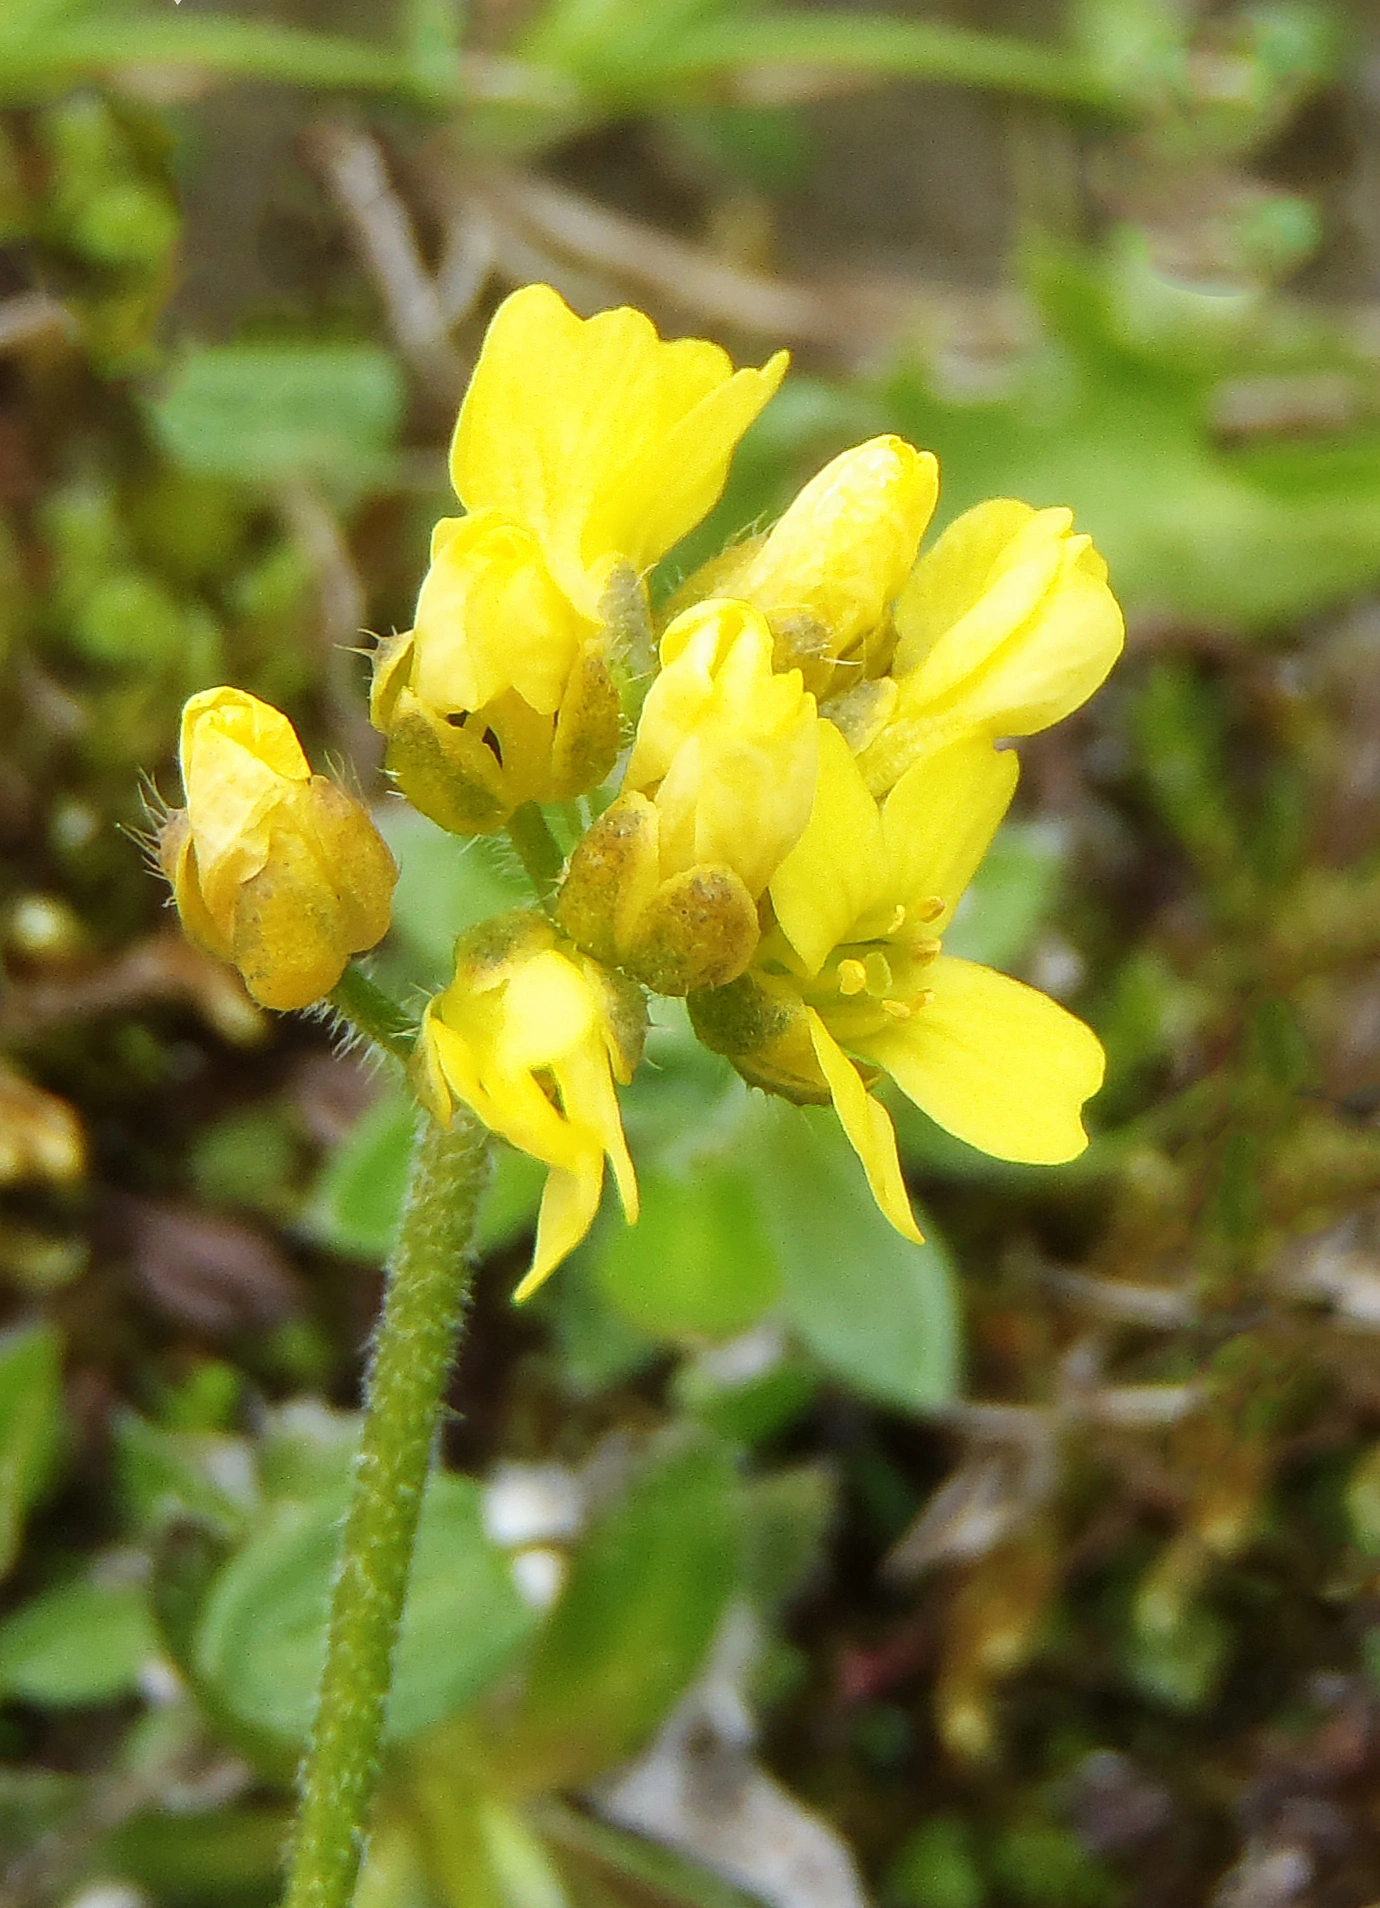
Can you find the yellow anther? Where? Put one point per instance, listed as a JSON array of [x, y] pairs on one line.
[[897, 919], [852, 977], [926, 949], [897, 1009], [930, 909]]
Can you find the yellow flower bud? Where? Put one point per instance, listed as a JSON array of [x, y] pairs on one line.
[[532, 1034], [1005, 626], [827, 574], [717, 791], [273, 868], [583, 451]]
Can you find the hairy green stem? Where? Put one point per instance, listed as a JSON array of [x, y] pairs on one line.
[[428, 1285], [370, 1011], [537, 850]]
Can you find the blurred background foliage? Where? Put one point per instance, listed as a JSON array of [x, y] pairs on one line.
[[773, 1559]]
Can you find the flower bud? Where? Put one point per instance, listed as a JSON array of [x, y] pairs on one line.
[[717, 791], [273, 868], [826, 575], [532, 1034], [1005, 626], [584, 449]]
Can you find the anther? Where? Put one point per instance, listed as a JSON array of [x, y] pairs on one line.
[[897, 1009], [852, 977], [931, 909]]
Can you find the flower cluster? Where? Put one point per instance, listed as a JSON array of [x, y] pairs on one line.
[[808, 780]]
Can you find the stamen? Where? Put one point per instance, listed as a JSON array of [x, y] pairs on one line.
[[931, 909], [852, 977], [896, 920], [926, 949], [897, 1009]]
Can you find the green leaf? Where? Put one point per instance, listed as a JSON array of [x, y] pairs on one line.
[[263, 1631], [876, 1311], [358, 1199], [166, 1476], [1112, 416], [84, 1642], [260, 413], [698, 1263], [30, 1426], [646, 1591], [445, 885]]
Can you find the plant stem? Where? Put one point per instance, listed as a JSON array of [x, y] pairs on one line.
[[428, 1284], [370, 1011], [537, 850], [912, 49]]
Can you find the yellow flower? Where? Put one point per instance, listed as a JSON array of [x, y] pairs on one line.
[[717, 791], [852, 981], [1005, 626], [585, 448], [532, 1035], [828, 572], [272, 867]]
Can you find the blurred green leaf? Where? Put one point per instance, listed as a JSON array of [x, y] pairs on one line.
[[877, 1312], [262, 413], [698, 1263], [230, 1855], [164, 1476], [788, 1515], [1111, 416], [263, 1629], [358, 1199], [81, 1643], [646, 1590], [445, 886], [30, 1426]]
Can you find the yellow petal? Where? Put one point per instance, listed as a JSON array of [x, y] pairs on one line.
[[995, 1063], [489, 619], [939, 819], [548, 1010], [846, 544], [589, 1101], [727, 747], [1006, 626], [837, 871], [238, 758], [868, 1126], [952, 575], [597, 434], [568, 1207]]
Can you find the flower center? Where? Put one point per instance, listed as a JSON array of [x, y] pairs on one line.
[[883, 975]]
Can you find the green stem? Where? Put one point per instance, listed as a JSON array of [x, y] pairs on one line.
[[910, 49], [428, 1285], [370, 1011], [531, 835], [63, 55]]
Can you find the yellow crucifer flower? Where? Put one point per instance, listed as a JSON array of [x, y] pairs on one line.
[[717, 791], [272, 867], [532, 1035], [1005, 626], [584, 450], [828, 572], [852, 980]]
